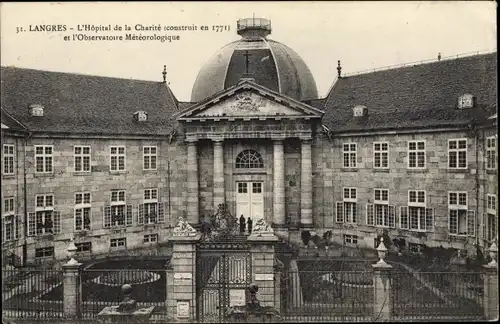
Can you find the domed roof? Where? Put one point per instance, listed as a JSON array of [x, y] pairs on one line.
[[270, 63]]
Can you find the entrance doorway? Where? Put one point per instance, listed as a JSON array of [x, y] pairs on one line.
[[250, 200]]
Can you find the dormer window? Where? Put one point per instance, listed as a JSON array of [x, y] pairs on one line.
[[141, 116], [466, 101], [36, 110], [360, 111]]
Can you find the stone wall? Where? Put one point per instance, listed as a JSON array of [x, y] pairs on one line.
[[329, 178], [13, 186], [436, 179], [63, 183]]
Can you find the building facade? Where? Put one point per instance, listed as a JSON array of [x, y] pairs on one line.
[[411, 151]]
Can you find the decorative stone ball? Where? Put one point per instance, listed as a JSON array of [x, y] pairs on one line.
[[127, 289], [253, 288]]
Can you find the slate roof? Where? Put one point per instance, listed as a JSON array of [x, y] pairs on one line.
[[424, 95], [84, 104], [271, 63], [9, 123]]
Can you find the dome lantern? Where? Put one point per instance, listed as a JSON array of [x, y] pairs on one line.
[[254, 28]]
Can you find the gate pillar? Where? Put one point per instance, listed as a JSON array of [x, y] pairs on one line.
[[262, 242], [181, 279]]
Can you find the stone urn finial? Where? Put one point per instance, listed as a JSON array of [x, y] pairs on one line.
[[381, 251], [72, 251]]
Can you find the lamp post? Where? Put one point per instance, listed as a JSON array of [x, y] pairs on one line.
[[382, 252], [71, 252], [493, 254]]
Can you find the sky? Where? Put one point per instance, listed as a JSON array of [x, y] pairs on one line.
[[362, 35]]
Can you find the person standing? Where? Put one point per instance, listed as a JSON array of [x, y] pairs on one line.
[[249, 223], [242, 224]]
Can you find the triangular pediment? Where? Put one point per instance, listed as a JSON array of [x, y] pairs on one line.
[[249, 100]]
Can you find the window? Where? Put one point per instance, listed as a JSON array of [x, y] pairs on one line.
[[141, 116], [82, 211], [8, 159], [43, 158], [36, 110], [118, 213], [242, 187], [11, 222], [461, 221], [8, 206], [151, 238], [457, 154], [249, 159], [491, 210], [82, 158], [149, 157], [380, 213], [347, 210], [381, 155], [257, 187], [465, 101], [117, 158], [118, 242], [349, 153], [45, 220], [151, 211], [416, 154], [83, 247], [350, 239], [416, 216], [43, 253], [491, 150]]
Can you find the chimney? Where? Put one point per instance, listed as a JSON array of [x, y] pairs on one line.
[[339, 69], [439, 56]]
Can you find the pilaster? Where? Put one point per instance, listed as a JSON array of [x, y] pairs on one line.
[[218, 185], [263, 267], [72, 292], [306, 201], [181, 294], [491, 292], [278, 184], [382, 293], [192, 183]]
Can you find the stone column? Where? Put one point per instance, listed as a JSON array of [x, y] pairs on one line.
[[192, 184], [72, 292], [181, 287], [219, 195], [263, 263], [279, 185], [382, 293], [306, 201], [491, 292]]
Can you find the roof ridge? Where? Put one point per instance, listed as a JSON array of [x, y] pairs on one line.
[[419, 63], [80, 74]]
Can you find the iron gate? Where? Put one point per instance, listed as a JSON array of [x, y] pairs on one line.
[[223, 272]]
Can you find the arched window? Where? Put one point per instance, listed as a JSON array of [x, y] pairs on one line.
[[249, 159]]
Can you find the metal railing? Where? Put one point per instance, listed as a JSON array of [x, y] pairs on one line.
[[433, 60], [435, 295], [326, 295], [24, 292]]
